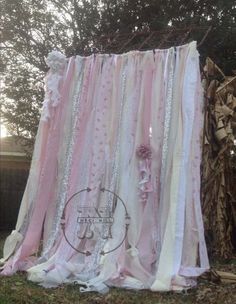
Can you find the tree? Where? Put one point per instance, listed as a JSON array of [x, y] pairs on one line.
[[31, 29]]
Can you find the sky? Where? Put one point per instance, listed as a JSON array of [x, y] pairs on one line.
[[3, 131]]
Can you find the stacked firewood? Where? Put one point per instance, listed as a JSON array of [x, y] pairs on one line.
[[218, 188]]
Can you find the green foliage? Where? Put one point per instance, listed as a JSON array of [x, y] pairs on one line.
[[32, 28]]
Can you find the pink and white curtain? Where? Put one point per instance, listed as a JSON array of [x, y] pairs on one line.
[[129, 123]]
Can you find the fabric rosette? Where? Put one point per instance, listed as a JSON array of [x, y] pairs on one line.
[[56, 61], [144, 153]]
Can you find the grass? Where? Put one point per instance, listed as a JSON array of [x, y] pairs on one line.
[[17, 289]]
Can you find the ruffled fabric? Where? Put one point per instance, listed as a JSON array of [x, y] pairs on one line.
[[56, 61]]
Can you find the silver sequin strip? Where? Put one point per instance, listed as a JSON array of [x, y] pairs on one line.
[[168, 108], [63, 185]]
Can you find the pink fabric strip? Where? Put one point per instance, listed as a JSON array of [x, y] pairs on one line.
[[45, 192]]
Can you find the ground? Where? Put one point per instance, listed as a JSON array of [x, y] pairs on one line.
[[17, 290]]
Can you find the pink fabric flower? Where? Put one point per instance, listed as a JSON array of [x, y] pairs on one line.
[[144, 152]]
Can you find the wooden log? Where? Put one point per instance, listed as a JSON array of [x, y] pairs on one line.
[[226, 277]]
